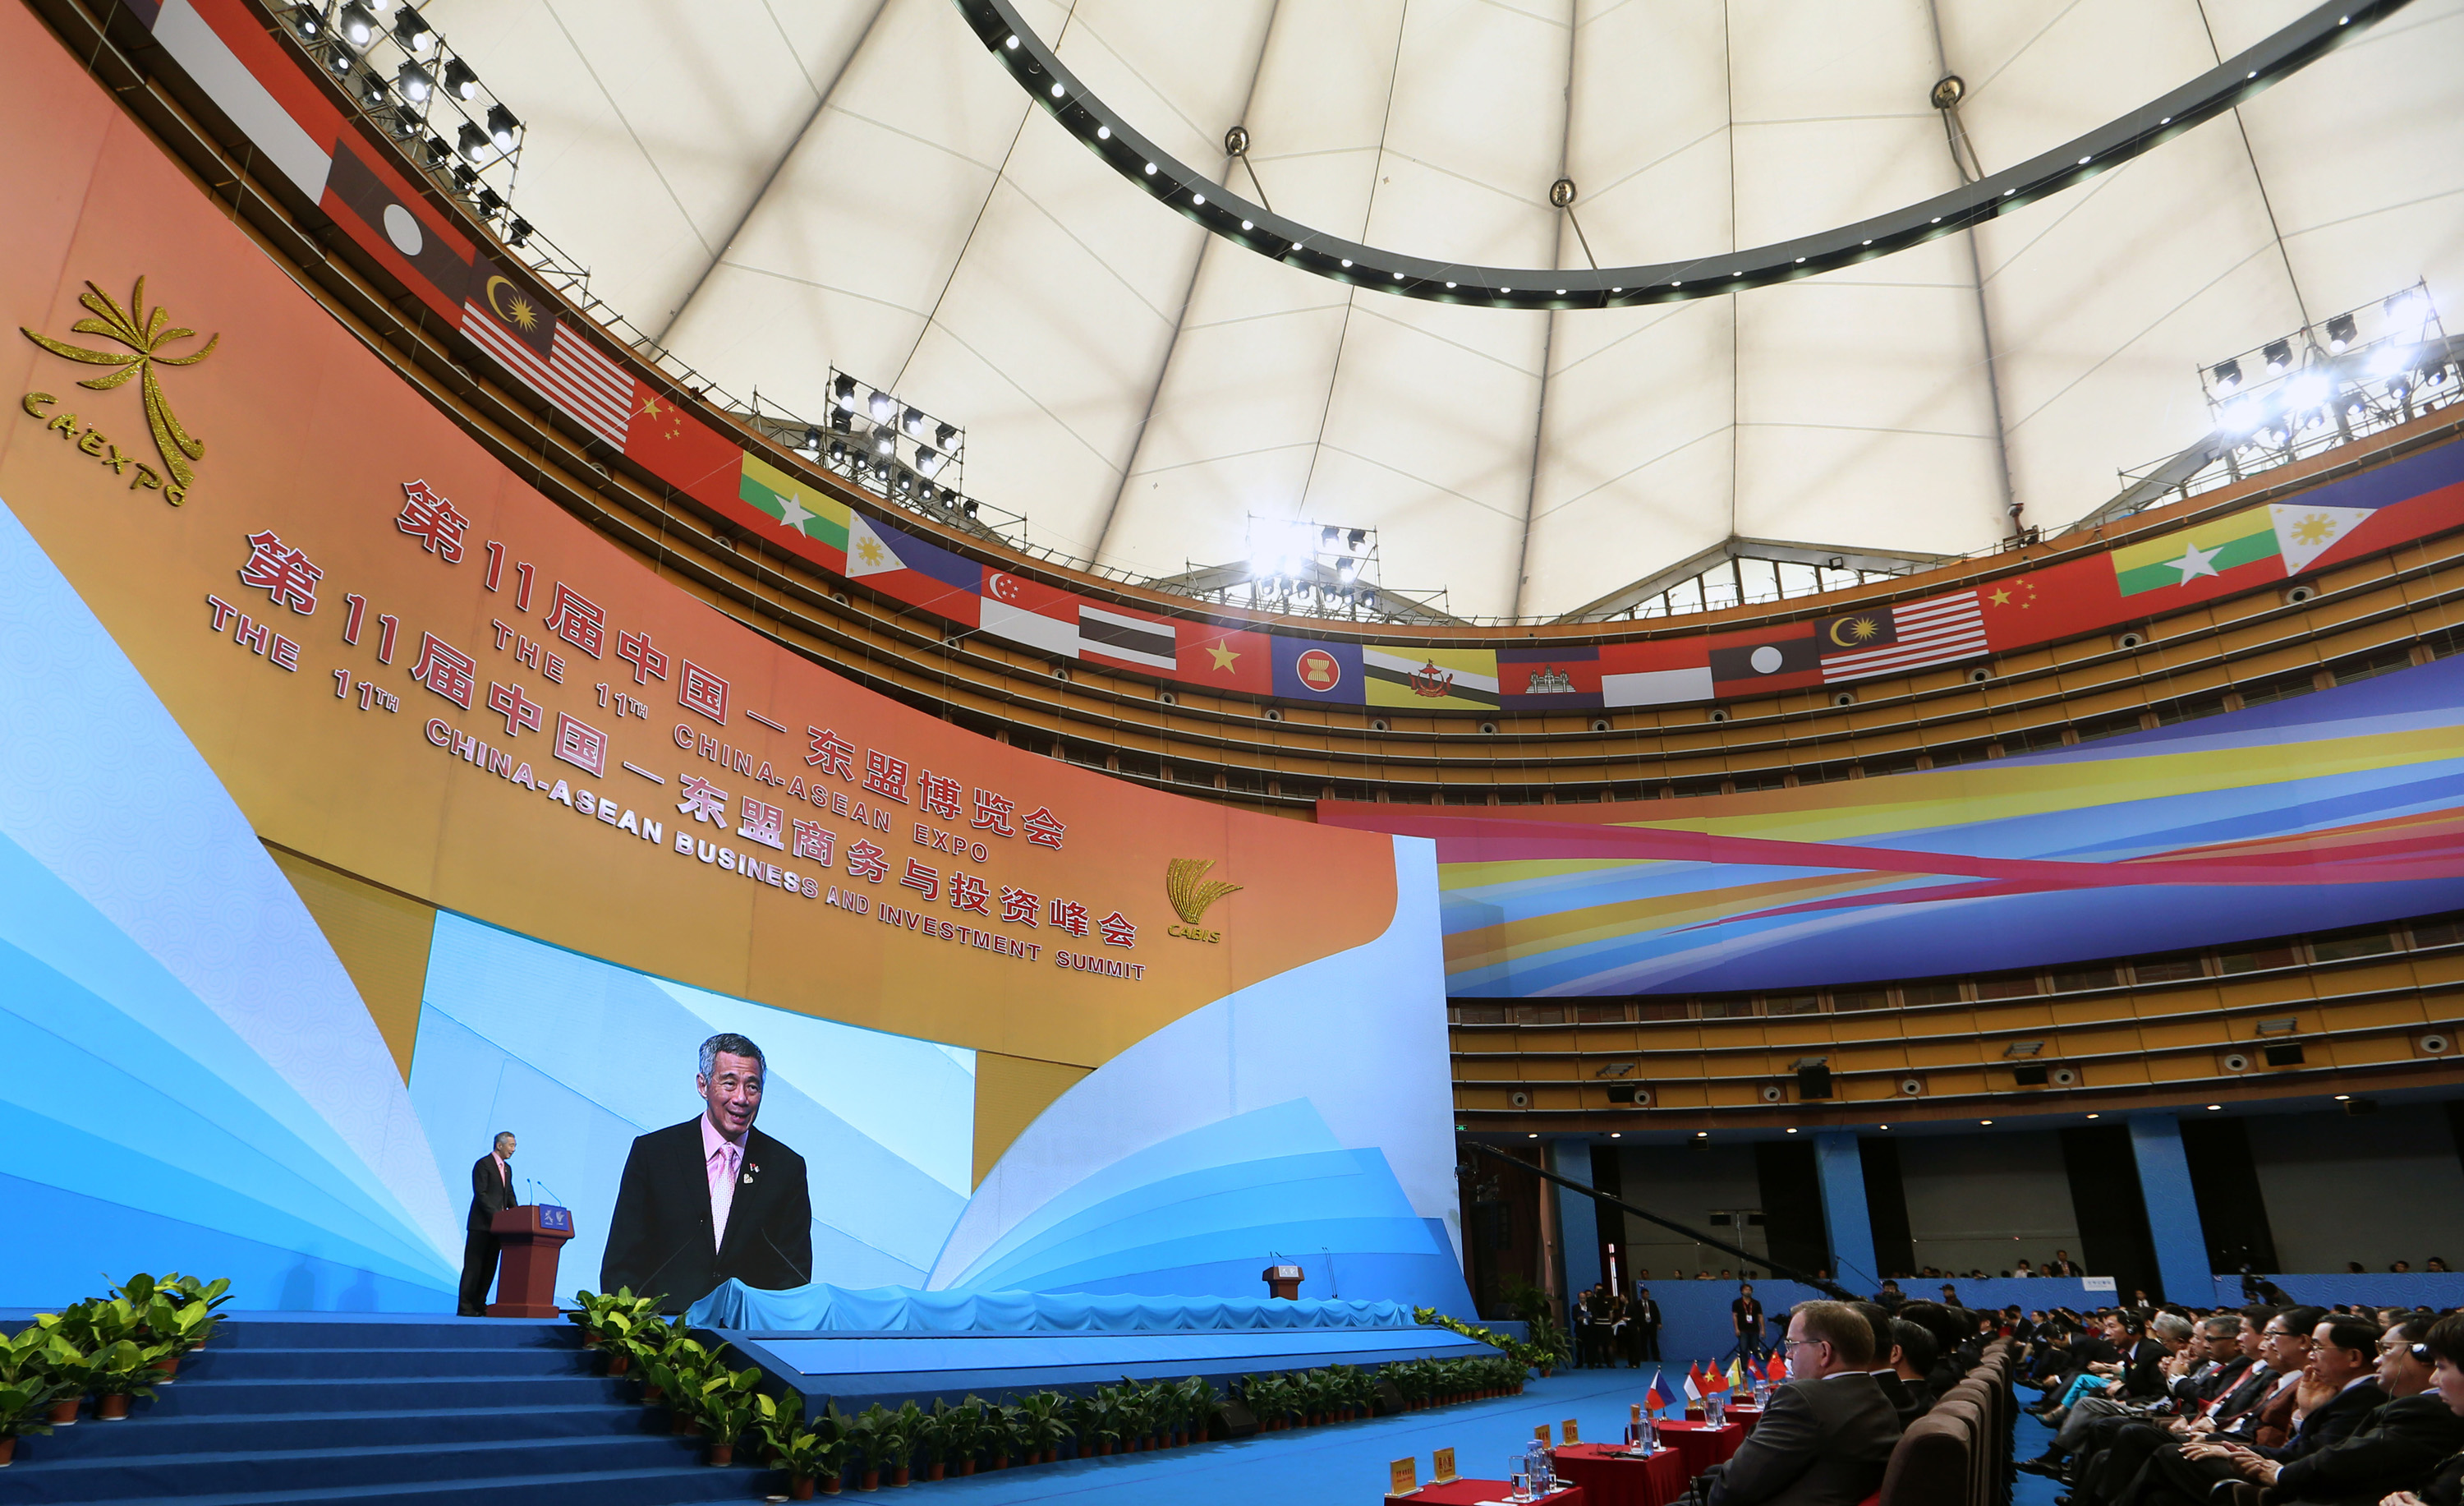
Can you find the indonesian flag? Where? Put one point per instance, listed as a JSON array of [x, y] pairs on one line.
[[1655, 1400], [1694, 1382], [1777, 1371]]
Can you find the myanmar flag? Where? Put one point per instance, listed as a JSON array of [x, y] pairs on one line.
[[796, 506], [2207, 551]]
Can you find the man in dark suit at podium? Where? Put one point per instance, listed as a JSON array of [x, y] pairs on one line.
[[711, 1198], [492, 1192]]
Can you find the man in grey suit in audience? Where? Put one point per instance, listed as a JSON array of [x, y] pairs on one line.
[[1826, 1435]]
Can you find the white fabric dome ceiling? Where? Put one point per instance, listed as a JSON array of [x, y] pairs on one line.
[[773, 189]]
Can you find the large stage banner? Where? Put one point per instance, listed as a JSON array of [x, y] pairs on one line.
[[356, 802], [2335, 808]]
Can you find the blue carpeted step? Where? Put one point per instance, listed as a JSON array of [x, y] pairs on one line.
[[283, 1364], [673, 1487], [468, 1333], [203, 1398], [159, 1434], [509, 1462]]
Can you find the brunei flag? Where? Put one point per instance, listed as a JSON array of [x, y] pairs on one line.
[[1432, 679], [2243, 541], [805, 511]]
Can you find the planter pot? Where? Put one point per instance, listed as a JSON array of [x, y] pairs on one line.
[[111, 1408], [652, 1395], [966, 1467], [619, 1362], [589, 1340], [721, 1455], [936, 1471], [999, 1461], [7, 1450], [64, 1413], [800, 1488], [171, 1368], [869, 1480], [898, 1476], [829, 1484]]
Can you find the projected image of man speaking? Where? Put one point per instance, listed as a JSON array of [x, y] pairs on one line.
[[712, 1197]]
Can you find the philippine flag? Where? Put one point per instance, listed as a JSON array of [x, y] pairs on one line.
[[1655, 1399]]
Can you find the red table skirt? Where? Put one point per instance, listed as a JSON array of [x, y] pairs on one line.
[[1746, 1417], [1610, 1476], [1471, 1492], [1701, 1445]]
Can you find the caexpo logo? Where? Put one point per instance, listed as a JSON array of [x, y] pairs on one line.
[[1192, 894], [146, 336]]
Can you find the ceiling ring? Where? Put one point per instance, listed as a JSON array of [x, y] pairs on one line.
[[1196, 197]]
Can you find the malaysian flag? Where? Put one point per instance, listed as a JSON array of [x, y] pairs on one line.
[[1943, 629], [550, 359]]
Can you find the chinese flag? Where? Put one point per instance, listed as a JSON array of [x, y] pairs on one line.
[[686, 450], [2060, 601], [1776, 1371]]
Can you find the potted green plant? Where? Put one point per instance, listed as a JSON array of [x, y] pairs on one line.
[[962, 1434], [23, 1408], [777, 1418], [1044, 1419], [813, 1457], [1004, 1434], [124, 1370], [864, 1437], [723, 1404], [1198, 1402], [932, 1440]]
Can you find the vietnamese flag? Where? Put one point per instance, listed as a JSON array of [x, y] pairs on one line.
[[1224, 659]]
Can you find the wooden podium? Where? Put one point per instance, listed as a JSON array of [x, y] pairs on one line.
[[530, 1236], [1283, 1282]]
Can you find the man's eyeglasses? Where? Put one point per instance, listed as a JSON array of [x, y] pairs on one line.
[[1794, 1343]]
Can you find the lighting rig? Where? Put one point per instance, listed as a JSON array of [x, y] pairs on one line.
[[399, 72], [2350, 375], [889, 446]]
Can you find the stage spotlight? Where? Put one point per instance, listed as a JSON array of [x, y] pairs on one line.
[[412, 29], [2340, 331], [2228, 375], [340, 60], [2307, 390], [843, 387], [463, 83], [489, 204], [414, 83], [1328, 540], [1359, 539], [308, 22], [811, 448], [502, 126], [883, 408], [946, 436], [2278, 354], [356, 26], [928, 459], [474, 142], [372, 92], [408, 121], [837, 451], [2242, 414], [2402, 307], [912, 420], [438, 153], [968, 507], [885, 445], [519, 235]]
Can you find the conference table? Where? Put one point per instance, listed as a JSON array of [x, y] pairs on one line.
[[1611, 1477], [1701, 1445], [1479, 1493]]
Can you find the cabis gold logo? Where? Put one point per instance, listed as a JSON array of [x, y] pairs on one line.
[[144, 334], [1192, 894]]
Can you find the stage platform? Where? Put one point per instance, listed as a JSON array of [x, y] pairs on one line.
[[856, 1369]]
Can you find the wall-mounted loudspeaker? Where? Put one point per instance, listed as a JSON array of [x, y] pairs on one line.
[[2234, 1061], [1521, 1100], [1274, 713], [2130, 640], [1376, 724], [1912, 1087], [2066, 1077], [1813, 1082], [1488, 729], [1845, 697], [1773, 1092], [2433, 1043], [1599, 723], [1167, 697], [1718, 713], [2295, 595], [1979, 674]]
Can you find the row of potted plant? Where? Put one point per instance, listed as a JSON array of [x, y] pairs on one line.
[[723, 1406], [113, 1348], [1544, 1349]]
